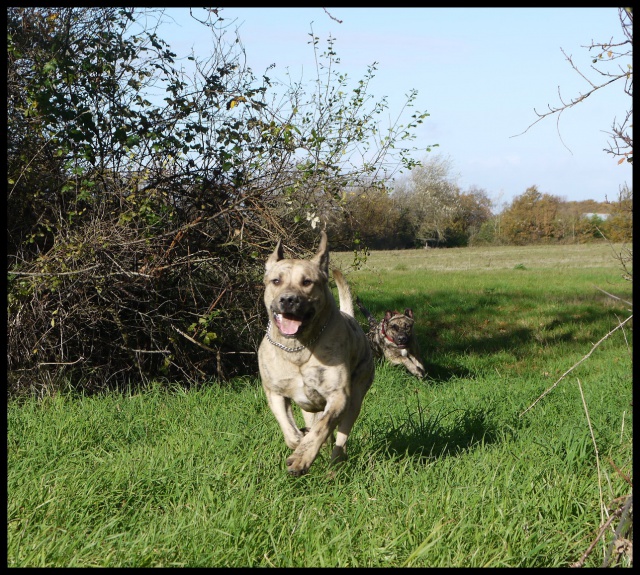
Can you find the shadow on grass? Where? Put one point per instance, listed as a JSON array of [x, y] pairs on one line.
[[439, 373], [439, 435], [452, 323]]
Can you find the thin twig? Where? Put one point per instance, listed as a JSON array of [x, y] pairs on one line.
[[606, 524], [614, 296], [61, 362], [163, 351], [45, 274], [577, 364], [332, 17], [620, 472], [595, 446], [202, 345]]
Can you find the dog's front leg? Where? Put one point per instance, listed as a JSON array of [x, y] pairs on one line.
[[309, 419], [414, 366], [325, 422], [281, 408], [417, 366]]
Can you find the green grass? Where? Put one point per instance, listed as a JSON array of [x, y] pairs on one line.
[[443, 472]]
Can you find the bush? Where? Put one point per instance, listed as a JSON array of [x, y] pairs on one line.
[[137, 232]]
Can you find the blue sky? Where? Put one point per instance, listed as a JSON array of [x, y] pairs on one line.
[[478, 72]]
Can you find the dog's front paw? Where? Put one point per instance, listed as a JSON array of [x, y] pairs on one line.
[[417, 369], [295, 465], [299, 462]]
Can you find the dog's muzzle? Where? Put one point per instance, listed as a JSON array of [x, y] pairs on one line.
[[401, 341], [291, 314]]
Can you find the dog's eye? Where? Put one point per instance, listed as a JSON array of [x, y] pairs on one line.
[[307, 282], [275, 281]]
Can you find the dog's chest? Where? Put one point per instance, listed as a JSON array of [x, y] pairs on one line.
[[303, 390]]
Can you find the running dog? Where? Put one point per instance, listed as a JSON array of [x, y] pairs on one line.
[[392, 338], [314, 354]]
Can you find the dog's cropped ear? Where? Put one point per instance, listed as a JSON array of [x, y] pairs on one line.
[[276, 256], [322, 255], [408, 312], [388, 315]]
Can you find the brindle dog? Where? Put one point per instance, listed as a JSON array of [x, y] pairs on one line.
[[392, 338], [313, 354]]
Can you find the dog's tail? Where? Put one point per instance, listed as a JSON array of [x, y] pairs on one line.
[[344, 293], [373, 323]]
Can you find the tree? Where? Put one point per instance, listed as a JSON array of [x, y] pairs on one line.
[[474, 210], [531, 218], [619, 226], [434, 209], [376, 220], [431, 198]]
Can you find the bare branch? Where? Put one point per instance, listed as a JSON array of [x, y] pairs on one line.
[[61, 362], [577, 363], [621, 137], [202, 345], [53, 274], [613, 296], [559, 109], [601, 531], [332, 17]]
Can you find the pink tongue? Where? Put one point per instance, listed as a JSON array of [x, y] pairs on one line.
[[287, 325]]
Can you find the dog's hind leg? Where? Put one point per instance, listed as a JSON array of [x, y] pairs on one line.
[[339, 452]]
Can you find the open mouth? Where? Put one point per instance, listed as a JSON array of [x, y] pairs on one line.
[[287, 323]]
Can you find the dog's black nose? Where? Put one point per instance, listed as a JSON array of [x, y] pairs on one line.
[[289, 301]]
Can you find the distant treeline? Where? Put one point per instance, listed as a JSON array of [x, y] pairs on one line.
[[438, 214]]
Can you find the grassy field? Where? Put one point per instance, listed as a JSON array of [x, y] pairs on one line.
[[450, 471]]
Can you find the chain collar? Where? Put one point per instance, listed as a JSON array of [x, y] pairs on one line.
[[293, 349]]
